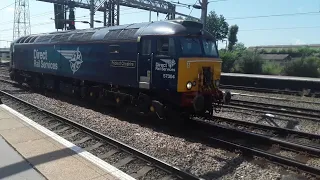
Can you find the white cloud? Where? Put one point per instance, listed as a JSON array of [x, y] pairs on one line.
[[298, 42]]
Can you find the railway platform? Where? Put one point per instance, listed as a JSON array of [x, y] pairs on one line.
[[30, 151]]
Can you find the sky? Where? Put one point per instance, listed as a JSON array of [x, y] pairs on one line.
[[301, 28]]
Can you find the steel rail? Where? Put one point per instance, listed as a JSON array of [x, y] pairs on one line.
[[158, 163], [225, 130], [284, 132], [278, 108], [280, 131], [267, 90], [270, 156], [228, 137], [274, 98], [257, 137], [272, 111]]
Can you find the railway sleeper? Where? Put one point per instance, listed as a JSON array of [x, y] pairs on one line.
[[120, 155]]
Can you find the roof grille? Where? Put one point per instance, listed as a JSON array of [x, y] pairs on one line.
[[86, 36], [127, 34], [44, 38], [60, 37], [33, 39], [112, 35], [76, 37]]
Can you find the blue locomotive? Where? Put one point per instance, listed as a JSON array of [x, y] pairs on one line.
[[150, 67]]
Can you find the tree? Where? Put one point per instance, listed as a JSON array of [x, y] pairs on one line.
[[274, 51], [232, 36], [217, 26], [239, 47], [303, 67], [306, 51], [228, 59], [282, 51], [250, 63], [272, 68]]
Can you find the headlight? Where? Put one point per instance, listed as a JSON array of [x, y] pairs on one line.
[[217, 82], [189, 85]]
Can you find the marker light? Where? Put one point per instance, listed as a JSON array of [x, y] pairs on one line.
[[189, 85]]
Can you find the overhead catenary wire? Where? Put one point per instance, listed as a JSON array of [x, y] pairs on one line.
[[193, 7], [266, 16], [261, 29], [276, 15], [216, 1], [6, 6], [31, 17], [39, 24], [10, 5], [48, 12], [247, 17], [282, 28], [230, 18]]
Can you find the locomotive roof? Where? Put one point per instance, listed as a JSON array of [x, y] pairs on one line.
[[116, 33]]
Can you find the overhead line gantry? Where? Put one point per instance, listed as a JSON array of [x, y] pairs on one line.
[[111, 8]]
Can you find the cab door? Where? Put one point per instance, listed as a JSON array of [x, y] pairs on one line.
[[147, 47]]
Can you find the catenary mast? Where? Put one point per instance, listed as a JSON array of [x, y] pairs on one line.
[[21, 25]]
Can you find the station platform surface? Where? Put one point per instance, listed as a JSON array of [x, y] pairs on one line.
[[30, 151]]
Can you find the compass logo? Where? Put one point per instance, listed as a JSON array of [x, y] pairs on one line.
[[170, 62], [167, 65], [74, 57]]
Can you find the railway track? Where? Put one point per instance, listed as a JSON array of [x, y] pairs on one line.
[[215, 133], [289, 111], [267, 90], [128, 159], [275, 98], [223, 131], [283, 134], [264, 146], [4, 77]]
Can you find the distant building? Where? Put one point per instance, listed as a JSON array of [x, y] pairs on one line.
[[269, 48], [5, 54], [277, 58]]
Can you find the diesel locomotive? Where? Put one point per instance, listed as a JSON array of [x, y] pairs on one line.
[[152, 68]]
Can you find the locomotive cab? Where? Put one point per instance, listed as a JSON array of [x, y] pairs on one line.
[[199, 74], [185, 66]]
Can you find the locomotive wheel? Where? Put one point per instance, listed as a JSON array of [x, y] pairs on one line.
[[83, 92], [37, 83], [100, 98], [144, 103], [75, 91]]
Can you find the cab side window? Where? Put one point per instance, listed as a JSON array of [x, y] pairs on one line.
[[165, 46], [146, 47], [114, 48]]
